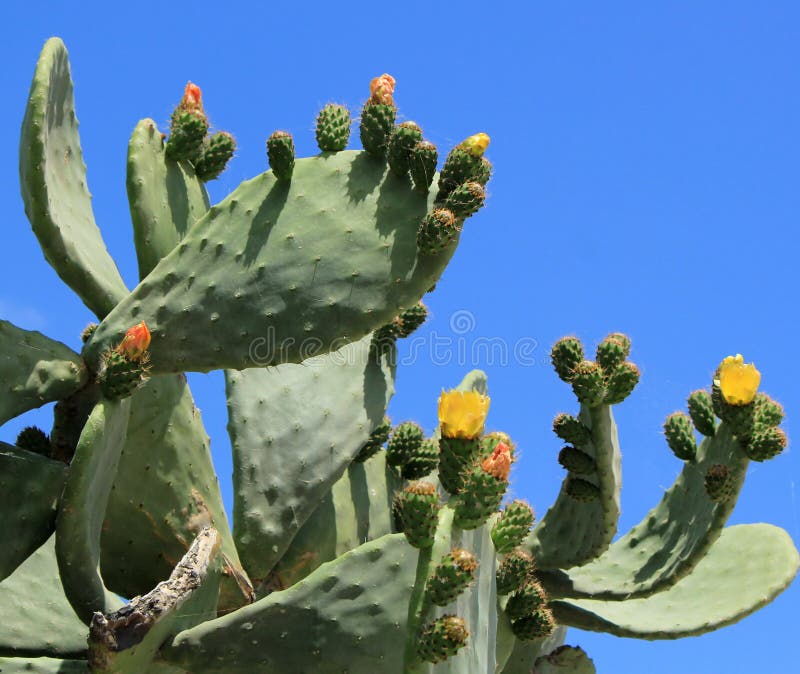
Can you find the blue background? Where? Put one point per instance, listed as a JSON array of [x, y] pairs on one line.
[[646, 181]]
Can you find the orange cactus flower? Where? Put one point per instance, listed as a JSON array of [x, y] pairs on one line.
[[738, 381], [498, 463], [192, 98], [135, 342], [462, 414], [381, 90]]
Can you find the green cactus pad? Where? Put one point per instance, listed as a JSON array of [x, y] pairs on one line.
[[164, 492], [349, 615], [576, 461], [747, 567], [620, 383], [671, 539], [513, 526], [42, 666], [294, 429], [566, 355], [30, 488], [34, 439], [35, 370], [187, 131], [422, 164], [516, 567], [127, 641], [437, 231], [333, 128], [701, 412], [466, 199], [377, 123], [280, 153], [572, 532], [283, 262], [217, 152], [165, 197], [54, 188], [405, 440], [565, 660], [357, 508], [376, 440], [526, 600], [765, 443], [404, 136], [422, 461], [588, 383], [83, 504], [571, 430], [44, 622]]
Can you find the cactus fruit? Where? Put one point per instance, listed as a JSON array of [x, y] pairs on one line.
[[340, 558], [216, 153], [442, 638], [280, 154], [513, 526], [333, 128]]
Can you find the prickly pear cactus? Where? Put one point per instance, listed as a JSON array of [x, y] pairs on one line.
[[343, 556]]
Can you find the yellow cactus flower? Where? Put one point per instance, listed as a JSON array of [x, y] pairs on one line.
[[476, 145], [738, 381], [462, 414]]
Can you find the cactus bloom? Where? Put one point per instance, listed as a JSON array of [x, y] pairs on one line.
[[462, 414], [192, 98], [381, 90], [738, 381], [476, 145], [135, 342], [498, 463]]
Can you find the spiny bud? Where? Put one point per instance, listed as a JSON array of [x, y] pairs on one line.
[[702, 412], [280, 154], [576, 461], [514, 571], [333, 128], [466, 200], [442, 638], [376, 440], [535, 626], [88, 331], [406, 438], [588, 383], [437, 230], [611, 352], [765, 443], [581, 490], [417, 507], [513, 526], [565, 355], [451, 577], [768, 412], [571, 430], [526, 600], [34, 439], [621, 382], [719, 482], [680, 436]]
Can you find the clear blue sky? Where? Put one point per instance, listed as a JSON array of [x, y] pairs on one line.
[[646, 181]]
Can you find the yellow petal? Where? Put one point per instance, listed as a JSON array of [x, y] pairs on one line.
[[738, 381], [462, 414]]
